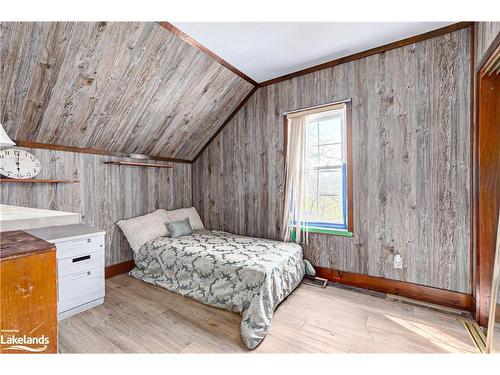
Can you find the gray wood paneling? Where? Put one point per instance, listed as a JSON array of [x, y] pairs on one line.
[[123, 87], [485, 33], [105, 193], [411, 138]]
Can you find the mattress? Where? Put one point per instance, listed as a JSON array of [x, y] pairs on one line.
[[246, 275]]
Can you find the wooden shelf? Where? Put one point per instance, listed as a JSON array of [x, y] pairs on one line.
[[37, 181], [135, 164]]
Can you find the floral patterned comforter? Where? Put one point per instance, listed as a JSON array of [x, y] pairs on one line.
[[246, 275]]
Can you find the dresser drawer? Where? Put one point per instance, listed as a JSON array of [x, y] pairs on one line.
[[73, 248], [80, 288], [28, 298], [83, 261]]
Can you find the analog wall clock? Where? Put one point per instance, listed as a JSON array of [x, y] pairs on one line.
[[17, 163]]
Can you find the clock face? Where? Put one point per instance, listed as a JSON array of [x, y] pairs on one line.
[[17, 163]]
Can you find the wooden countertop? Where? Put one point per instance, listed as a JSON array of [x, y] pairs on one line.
[[19, 243]]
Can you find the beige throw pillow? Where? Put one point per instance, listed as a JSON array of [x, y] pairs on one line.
[[142, 229], [182, 213]]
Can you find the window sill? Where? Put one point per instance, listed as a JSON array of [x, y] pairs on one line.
[[329, 231]]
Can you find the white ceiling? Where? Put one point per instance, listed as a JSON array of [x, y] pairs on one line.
[[266, 50]]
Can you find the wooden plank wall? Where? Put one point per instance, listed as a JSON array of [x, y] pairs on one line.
[[105, 193], [130, 87], [411, 134], [485, 33]]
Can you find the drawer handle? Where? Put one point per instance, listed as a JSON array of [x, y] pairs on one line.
[[79, 259], [82, 274]]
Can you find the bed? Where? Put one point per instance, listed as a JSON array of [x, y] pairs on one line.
[[246, 275]]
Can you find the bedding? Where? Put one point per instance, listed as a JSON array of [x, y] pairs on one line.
[[179, 228], [245, 275], [141, 229], [190, 213]]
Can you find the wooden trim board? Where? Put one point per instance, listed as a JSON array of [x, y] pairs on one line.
[[348, 111], [472, 165], [437, 296], [487, 185], [328, 64], [119, 268], [350, 196], [492, 49], [186, 38], [370, 52]]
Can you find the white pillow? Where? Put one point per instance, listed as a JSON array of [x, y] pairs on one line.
[[182, 213], [142, 229]]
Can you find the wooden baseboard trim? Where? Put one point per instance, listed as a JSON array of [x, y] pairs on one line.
[[457, 300], [437, 296], [119, 268]]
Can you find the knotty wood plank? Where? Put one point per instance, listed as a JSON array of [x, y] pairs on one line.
[[127, 87], [56, 40], [18, 42], [485, 33]]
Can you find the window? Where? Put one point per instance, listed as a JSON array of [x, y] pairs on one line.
[[326, 202], [326, 195]]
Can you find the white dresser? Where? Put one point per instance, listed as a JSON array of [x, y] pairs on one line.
[[80, 266]]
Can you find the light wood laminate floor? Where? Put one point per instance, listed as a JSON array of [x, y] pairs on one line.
[[140, 318]]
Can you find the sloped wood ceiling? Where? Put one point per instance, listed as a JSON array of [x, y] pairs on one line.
[[121, 87]]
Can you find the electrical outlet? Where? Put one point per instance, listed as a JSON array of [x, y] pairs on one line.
[[398, 261]]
